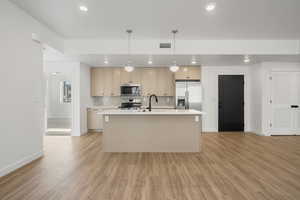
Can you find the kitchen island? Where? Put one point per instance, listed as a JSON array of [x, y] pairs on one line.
[[156, 131]]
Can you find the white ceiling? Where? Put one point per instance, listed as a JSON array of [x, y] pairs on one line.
[[232, 19], [166, 60]]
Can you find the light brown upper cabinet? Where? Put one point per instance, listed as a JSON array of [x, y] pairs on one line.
[[148, 81], [188, 73], [106, 81], [133, 77], [97, 82], [116, 81], [165, 82]]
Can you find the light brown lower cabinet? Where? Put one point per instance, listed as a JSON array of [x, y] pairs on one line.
[[94, 120]]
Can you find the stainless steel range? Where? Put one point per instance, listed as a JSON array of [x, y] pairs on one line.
[[131, 103]]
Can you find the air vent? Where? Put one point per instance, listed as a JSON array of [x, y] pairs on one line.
[[165, 45]]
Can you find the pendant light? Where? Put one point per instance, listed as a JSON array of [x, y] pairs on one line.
[[174, 67], [128, 67]]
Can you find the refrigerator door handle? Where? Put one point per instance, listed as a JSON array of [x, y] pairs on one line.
[[187, 99]]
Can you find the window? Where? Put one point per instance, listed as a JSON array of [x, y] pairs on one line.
[[65, 92]]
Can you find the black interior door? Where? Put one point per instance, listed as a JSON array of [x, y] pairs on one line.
[[231, 103]]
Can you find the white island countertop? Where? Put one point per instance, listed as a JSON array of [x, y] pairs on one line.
[[153, 112]]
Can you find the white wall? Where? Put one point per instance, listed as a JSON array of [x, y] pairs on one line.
[[85, 96], [256, 98], [21, 86], [209, 78], [183, 47]]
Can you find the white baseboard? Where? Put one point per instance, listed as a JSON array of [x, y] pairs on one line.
[[14, 166], [209, 130]]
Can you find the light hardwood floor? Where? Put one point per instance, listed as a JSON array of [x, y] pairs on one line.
[[231, 167]]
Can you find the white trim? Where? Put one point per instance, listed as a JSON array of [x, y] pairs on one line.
[[14, 166], [59, 117]]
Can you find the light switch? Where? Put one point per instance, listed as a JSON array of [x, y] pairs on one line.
[[106, 118], [196, 118]]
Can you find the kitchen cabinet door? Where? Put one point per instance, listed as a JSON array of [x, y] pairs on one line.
[[161, 86], [148, 81], [165, 81], [108, 81], [116, 79], [135, 76], [125, 77], [94, 120], [170, 84], [181, 74], [194, 73], [97, 82], [188, 73]]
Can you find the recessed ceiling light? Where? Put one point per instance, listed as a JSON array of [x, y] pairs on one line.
[[246, 59], [210, 6], [83, 8]]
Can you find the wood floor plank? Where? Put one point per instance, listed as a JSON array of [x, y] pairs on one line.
[[231, 166]]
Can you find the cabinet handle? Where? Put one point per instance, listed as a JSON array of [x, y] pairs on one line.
[[294, 106]]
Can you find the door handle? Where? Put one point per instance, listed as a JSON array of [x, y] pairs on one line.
[[294, 106], [220, 105]]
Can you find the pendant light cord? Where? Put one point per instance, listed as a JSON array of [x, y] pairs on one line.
[[129, 44], [174, 44]]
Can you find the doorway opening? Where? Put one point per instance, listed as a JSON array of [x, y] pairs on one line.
[[231, 103], [59, 103]]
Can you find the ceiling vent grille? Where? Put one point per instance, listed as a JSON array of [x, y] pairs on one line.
[[165, 45]]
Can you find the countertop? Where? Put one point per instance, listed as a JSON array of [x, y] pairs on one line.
[[153, 112], [103, 108]]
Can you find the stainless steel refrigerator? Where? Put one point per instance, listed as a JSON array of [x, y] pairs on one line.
[[188, 95]]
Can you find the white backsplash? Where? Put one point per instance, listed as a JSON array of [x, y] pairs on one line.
[[116, 101]]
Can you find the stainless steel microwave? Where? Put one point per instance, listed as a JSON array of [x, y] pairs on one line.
[[131, 90]]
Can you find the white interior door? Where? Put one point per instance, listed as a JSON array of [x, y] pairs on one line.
[[285, 92], [296, 102], [281, 97]]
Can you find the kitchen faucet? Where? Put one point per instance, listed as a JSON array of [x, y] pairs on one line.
[[150, 106]]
